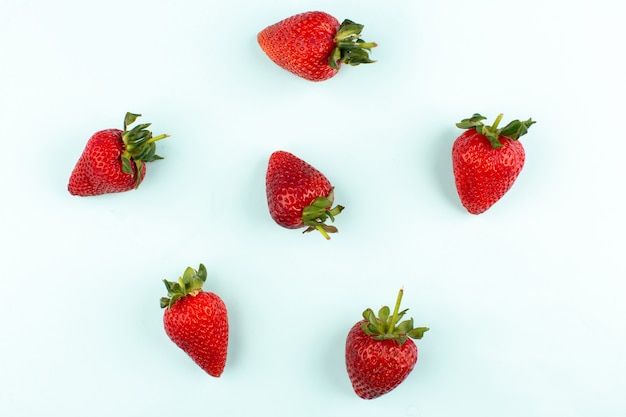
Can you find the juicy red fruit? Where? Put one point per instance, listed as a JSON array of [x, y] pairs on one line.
[[99, 168], [313, 45], [486, 161], [298, 195], [485, 174], [386, 363], [198, 325], [380, 354], [292, 184], [196, 320], [114, 160], [302, 44]]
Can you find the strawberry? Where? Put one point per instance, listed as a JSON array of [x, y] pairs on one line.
[[313, 45], [197, 321], [298, 195], [379, 354], [112, 159], [487, 160]]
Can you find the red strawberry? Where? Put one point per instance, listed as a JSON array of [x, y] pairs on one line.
[[487, 160], [379, 354], [298, 195], [197, 321], [112, 158], [313, 45]]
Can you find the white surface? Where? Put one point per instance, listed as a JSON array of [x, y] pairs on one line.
[[524, 302]]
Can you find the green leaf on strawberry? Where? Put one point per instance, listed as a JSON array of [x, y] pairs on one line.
[[315, 215], [139, 145], [389, 327], [189, 284], [350, 48], [513, 130]]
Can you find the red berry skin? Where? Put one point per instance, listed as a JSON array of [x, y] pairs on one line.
[[376, 367], [291, 185], [302, 44], [198, 324], [483, 174], [99, 168]]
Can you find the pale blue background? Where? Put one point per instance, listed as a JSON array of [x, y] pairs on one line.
[[524, 302]]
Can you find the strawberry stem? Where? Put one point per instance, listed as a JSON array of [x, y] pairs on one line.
[[494, 126], [396, 309], [156, 138], [323, 232]]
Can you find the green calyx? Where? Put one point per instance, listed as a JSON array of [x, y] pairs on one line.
[[513, 130], [349, 47], [189, 284], [316, 214], [139, 146], [388, 326]]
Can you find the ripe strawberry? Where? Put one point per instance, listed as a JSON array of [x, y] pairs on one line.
[[313, 45], [487, 160], [197, 321], [112, 158], [379, 354], [298, 195]]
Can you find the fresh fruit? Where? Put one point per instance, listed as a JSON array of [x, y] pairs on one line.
[[487, 160], [113, 160], [197, 321], [313, 45], [379, 352], [298, 195]]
